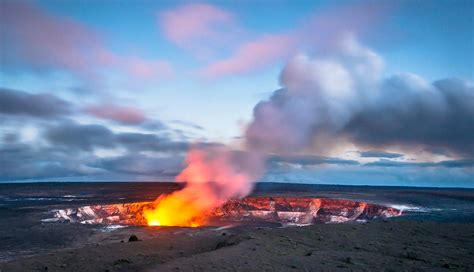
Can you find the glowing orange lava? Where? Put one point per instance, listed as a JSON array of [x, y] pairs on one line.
[[174, 210], [212, 176]]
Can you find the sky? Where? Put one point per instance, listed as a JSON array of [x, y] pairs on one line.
[[334, 92]]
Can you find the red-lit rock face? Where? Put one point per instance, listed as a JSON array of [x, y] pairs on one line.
[[126, 214], [278, 209], [302, 210]]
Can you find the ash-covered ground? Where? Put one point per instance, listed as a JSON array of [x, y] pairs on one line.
[[434, 232]]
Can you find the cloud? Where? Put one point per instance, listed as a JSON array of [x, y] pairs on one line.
[[411, 112], [69, 150], [309, 160], [251, 56], [32, 38], [341, 96], [125, 115], [324, 28], [142, 165], [64, 148], [466, 163], [49, 144], [188, 124], [36, 39], [457, 163], [15, 102], [379, 154], [88, 137], [149, 142], [319, 32], [23, 161], [191, 24], [316, 100], [48, 106], [408, 175], [83, 137], [118, 113]]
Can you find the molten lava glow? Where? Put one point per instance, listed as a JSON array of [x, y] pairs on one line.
[[213, 175], [154, 222], [176, 209]]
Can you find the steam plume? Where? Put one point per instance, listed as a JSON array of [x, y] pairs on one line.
[[213, 175], [317, 99], [340, 95]]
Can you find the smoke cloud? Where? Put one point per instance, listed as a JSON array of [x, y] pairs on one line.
[[317, 99], [342, 96], [409, 112], [213, 175], [336, 97]]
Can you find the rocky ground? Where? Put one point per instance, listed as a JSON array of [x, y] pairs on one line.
[[375, 246]]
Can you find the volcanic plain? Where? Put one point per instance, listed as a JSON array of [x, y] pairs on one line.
[[375, 246], [434, 233]]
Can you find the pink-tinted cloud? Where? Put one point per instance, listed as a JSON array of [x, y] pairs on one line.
[[118, 113], [188, 25], [251, 56], [30, 37], [325, 28], [319, 32]]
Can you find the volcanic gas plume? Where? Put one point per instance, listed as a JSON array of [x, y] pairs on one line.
[[323, 102], [215, 174]]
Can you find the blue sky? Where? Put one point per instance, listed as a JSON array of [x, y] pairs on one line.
[[151, 78]]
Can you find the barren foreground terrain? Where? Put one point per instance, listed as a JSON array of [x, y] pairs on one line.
[[375, 246]]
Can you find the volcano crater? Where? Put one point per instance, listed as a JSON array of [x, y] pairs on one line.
[[276, 211]]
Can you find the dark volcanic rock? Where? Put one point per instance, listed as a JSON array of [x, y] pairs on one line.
[[133, 238]]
